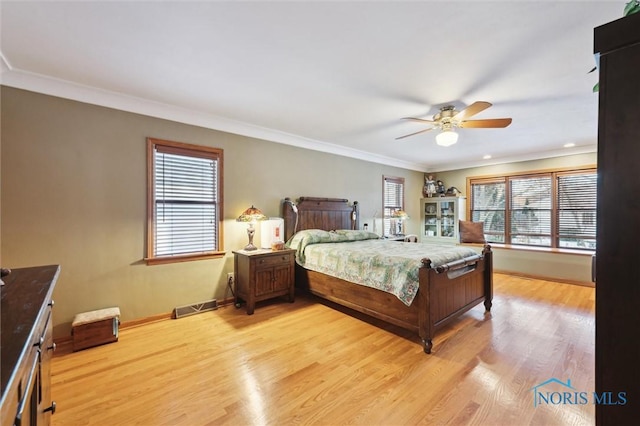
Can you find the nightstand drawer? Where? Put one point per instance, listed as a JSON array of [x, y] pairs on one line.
[[273, 260]]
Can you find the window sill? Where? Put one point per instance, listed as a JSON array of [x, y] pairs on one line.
[[534, 249], [183, 258]]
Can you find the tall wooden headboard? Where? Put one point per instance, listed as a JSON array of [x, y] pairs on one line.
[[318, 213]]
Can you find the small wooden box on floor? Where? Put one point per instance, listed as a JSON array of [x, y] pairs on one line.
[[95, 328]]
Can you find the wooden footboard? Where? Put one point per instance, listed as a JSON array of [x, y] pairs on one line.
[[444, 294], [441, 298], [451, 292]]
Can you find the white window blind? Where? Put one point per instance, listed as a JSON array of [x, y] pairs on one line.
[[530, 211], [577, 195], [185, 201], [488, 207], [392, 199]]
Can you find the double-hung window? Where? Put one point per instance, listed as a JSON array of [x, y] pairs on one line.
[[549, 209], [184, 201], [577, 210], [530, 210], [392, 201], [488, 201]]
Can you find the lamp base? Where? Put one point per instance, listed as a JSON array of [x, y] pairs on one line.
[[250, 231]]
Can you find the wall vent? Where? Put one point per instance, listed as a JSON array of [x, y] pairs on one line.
[[196, 308]]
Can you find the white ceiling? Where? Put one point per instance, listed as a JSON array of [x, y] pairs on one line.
[[334, 76]]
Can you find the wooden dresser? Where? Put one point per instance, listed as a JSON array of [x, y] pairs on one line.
[[27, 346]]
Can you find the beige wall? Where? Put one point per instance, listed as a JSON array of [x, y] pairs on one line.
[[73, 191], [557, 266]]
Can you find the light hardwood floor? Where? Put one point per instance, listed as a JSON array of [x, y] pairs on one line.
[[309, 363]]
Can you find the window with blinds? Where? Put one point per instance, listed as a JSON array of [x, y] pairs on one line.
[[551, 209], [530, 210], [577, 210], [184, 201], [489, 198], [392, 200]]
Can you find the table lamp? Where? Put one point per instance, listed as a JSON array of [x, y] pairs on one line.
[[399, 215], [251, 215]]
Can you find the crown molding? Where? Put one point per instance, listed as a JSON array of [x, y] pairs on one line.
[[25, 80]]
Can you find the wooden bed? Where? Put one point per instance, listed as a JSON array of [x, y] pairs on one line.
[[444, 294]]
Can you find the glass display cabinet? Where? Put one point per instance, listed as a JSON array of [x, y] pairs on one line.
[[440, 219]]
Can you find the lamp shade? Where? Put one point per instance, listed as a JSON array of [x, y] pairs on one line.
[[251, 214], [447, 137], [400, 214]]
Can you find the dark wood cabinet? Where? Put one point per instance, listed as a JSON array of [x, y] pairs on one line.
[[618, 218], [27, 346], [264, 274]]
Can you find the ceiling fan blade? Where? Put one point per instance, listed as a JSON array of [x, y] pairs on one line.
[[486, 124], [421, 120], [416, 133], [471, 110]]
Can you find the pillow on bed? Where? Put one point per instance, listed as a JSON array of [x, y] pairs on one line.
[[472, 232], [308, 236], [314, 236]]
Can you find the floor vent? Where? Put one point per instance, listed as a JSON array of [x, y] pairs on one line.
[[196, 308]]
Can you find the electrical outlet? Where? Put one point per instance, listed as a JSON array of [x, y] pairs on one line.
[[231, 278]]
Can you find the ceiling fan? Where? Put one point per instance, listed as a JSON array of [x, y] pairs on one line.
[[449, 118]]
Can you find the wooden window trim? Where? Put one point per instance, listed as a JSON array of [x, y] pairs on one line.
[[506, 177], [196, 151]]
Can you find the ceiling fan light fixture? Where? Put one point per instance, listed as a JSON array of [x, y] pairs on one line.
[[447, 137], [448, 119]]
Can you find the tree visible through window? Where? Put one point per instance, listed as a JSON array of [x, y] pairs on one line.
[[184, 201], [551, 209]]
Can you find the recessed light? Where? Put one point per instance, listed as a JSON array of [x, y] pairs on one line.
[[569, 145], [486, 157]]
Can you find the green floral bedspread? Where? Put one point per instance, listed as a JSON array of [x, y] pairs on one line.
[[363, 258]]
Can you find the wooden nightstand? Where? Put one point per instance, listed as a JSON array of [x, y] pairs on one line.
[[264, 274]]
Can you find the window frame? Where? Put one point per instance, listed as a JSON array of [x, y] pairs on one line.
[[592, 219], [513, 211], [386, 219], [554, 175], [185, 149]]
